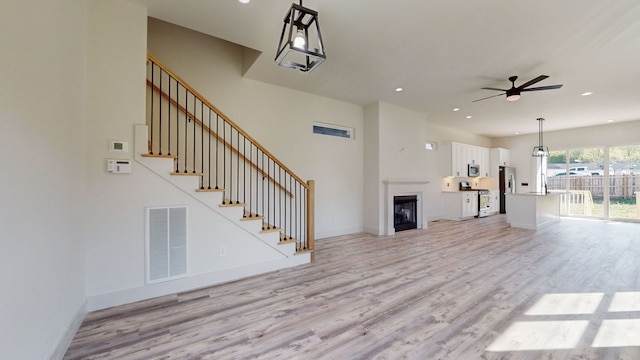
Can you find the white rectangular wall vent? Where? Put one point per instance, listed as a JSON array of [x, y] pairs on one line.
[[166, 243]]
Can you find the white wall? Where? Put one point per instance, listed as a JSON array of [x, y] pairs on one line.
[[280, 119], [395, 150], [115, 211], [615, 134], [373, 197], [42, 183]]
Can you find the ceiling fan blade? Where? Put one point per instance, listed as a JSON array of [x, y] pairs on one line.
[[533, 81], [490, 88], [488, 97], [550, 87]]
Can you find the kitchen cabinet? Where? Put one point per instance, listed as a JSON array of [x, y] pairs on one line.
[[456, 157], [499, 157], [454, 160], [494, 195], [469, 204], [459, 205]]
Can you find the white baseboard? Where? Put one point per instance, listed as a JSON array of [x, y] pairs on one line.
[[69, 333], [332, 233], [149, 291]]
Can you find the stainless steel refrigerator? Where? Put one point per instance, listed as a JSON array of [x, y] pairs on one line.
[[507, 181]]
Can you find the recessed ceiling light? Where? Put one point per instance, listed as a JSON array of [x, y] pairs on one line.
[[399, 89], [245, 1], [456, 109], [469, 116], [609, 121], [517, 133], [586, 93]]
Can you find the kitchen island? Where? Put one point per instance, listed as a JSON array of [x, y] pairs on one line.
[[532, 210]]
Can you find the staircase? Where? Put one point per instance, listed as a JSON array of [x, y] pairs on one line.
[[193, 145]]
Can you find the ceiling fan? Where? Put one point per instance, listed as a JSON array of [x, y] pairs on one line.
[[513, 94]]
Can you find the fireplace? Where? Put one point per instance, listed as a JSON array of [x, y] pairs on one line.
[[405, 209]]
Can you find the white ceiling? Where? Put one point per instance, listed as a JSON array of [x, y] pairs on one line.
[[442, 52]]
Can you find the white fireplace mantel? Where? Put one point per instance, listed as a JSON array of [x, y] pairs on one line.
[[400, 187]]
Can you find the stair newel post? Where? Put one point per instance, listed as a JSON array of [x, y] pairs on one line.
[[311, 186]]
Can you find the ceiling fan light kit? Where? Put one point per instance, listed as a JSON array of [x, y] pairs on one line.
[[513, 94], [300, 45]]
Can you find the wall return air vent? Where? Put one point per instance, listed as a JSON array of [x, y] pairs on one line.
[[166, 243]]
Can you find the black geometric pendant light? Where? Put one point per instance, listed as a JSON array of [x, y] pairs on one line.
[[300, 45]]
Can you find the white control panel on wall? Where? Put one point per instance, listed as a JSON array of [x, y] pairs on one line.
[[116, 166]]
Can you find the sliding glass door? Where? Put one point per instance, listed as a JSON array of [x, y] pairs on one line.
[[596, 182], [624, 182], [575, 174]]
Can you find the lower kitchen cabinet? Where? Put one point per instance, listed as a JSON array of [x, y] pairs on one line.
[[459, 205], [494, 195]]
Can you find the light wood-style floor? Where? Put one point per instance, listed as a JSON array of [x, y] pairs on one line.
[[475, 289]]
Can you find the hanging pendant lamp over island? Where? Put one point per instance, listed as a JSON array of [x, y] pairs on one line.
[[540, 150], [300, 45]]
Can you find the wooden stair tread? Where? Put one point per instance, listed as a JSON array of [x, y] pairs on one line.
[[160, 156], [186, 174], [300, 252], [251, 216], [210, 190], [228, 203], [273, 229]]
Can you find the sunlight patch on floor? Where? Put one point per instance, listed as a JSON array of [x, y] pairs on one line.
[[566, 304], [617, 333], [625, 301], [540, 335]]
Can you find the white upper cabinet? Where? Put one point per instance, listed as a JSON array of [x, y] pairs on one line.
[[456, 157], [499, 157]]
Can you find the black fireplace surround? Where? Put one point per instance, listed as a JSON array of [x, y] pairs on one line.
[[405, 211]]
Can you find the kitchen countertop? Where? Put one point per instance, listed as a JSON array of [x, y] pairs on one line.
[[532, 210]]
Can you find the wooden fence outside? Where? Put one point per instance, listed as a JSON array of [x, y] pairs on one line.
[[620, 186]]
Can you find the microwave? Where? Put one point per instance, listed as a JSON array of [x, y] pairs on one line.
[[474, 170]]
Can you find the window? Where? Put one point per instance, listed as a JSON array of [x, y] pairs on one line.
[[334, 130]]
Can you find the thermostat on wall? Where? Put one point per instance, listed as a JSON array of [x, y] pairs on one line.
[[118, 166], [118, 146]]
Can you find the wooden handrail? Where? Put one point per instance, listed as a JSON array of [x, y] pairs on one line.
[[225, 118], [213, 133]]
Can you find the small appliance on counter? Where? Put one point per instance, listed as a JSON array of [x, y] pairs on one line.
[[465, 186]]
